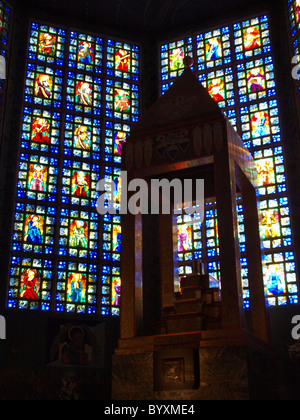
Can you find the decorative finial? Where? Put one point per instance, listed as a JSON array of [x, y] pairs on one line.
[[188, 61]]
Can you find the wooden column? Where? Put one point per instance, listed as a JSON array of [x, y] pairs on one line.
[[167, 260], [232, 305], [127, 318]]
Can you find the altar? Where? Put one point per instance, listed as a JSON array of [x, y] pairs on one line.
[[198, 343]]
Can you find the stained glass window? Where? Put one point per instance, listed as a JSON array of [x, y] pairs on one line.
[[235, 65], [65, 256]]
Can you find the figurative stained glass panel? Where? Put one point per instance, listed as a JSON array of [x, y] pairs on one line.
[[5, 36], [122, 60], [116, 292], [220, 86], [34, 229], [37, 178], [115, 137], [119, 141], [213, 49], [274, 281], [78, 234], [47, 44], [86, 52], [260, 124], [84, 93], [256, 79], [82, 137], [176, 59], [172, 60], [79, 183], [216, 88], [252, 38], [265, 171], [76, 287], [112, 189], [111, 290], [122, 101], [112, 237], [40, 130], [5, 14], [43, 86], [270, 227], [30, 283], [296, 5], [185, 238]]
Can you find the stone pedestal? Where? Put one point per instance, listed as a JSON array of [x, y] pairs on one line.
[[211, 365]]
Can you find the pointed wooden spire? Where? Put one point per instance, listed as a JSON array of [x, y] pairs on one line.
[[185, 100]]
